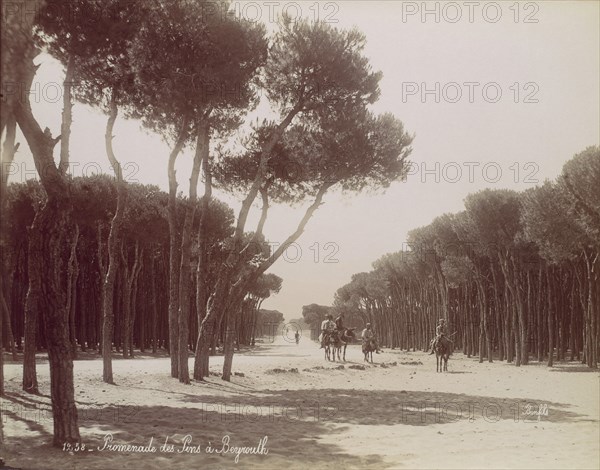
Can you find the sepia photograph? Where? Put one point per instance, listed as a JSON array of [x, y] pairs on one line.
[[311, 234]]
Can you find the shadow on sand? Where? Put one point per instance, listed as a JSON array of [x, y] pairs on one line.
[[293, 420]]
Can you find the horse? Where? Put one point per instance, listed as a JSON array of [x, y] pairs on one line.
[[367, 348], [344, 337], [330, 344], [443, 349]]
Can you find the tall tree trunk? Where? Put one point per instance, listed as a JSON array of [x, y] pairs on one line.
[[130, 297], [592, 314], [67, 117], [51, 225], [551, 306], [185, 275], [72, 275], [228, 346], [522, 312], [174, 251], [539, 314], [511, 280], [7, 324], [232, 311], [144, 321], [32, 302], [82, 306], [154, 308], [208, 326], [203, 340], [114, 241], [126, 297], [102, 272], [498, 311], [482, 317], [57, 333]]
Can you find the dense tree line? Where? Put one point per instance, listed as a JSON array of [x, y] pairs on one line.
[[255, 321], [191, 77], [141, 323], [268, 325], [514, 274]]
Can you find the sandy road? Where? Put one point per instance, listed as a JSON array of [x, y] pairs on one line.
[[397, 413]]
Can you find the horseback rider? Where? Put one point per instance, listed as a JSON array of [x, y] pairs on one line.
[[339, 326], [440, 332], [368, 335], [339, 322], [327, 329]]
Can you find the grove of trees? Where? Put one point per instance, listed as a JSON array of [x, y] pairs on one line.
[[516, 275], [103, 264]]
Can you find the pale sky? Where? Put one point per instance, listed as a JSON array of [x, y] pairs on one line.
[[548, 74]]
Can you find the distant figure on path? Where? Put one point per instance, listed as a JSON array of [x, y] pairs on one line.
[[297, 336]]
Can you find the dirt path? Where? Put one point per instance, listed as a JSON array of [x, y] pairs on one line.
[[397, 413]]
